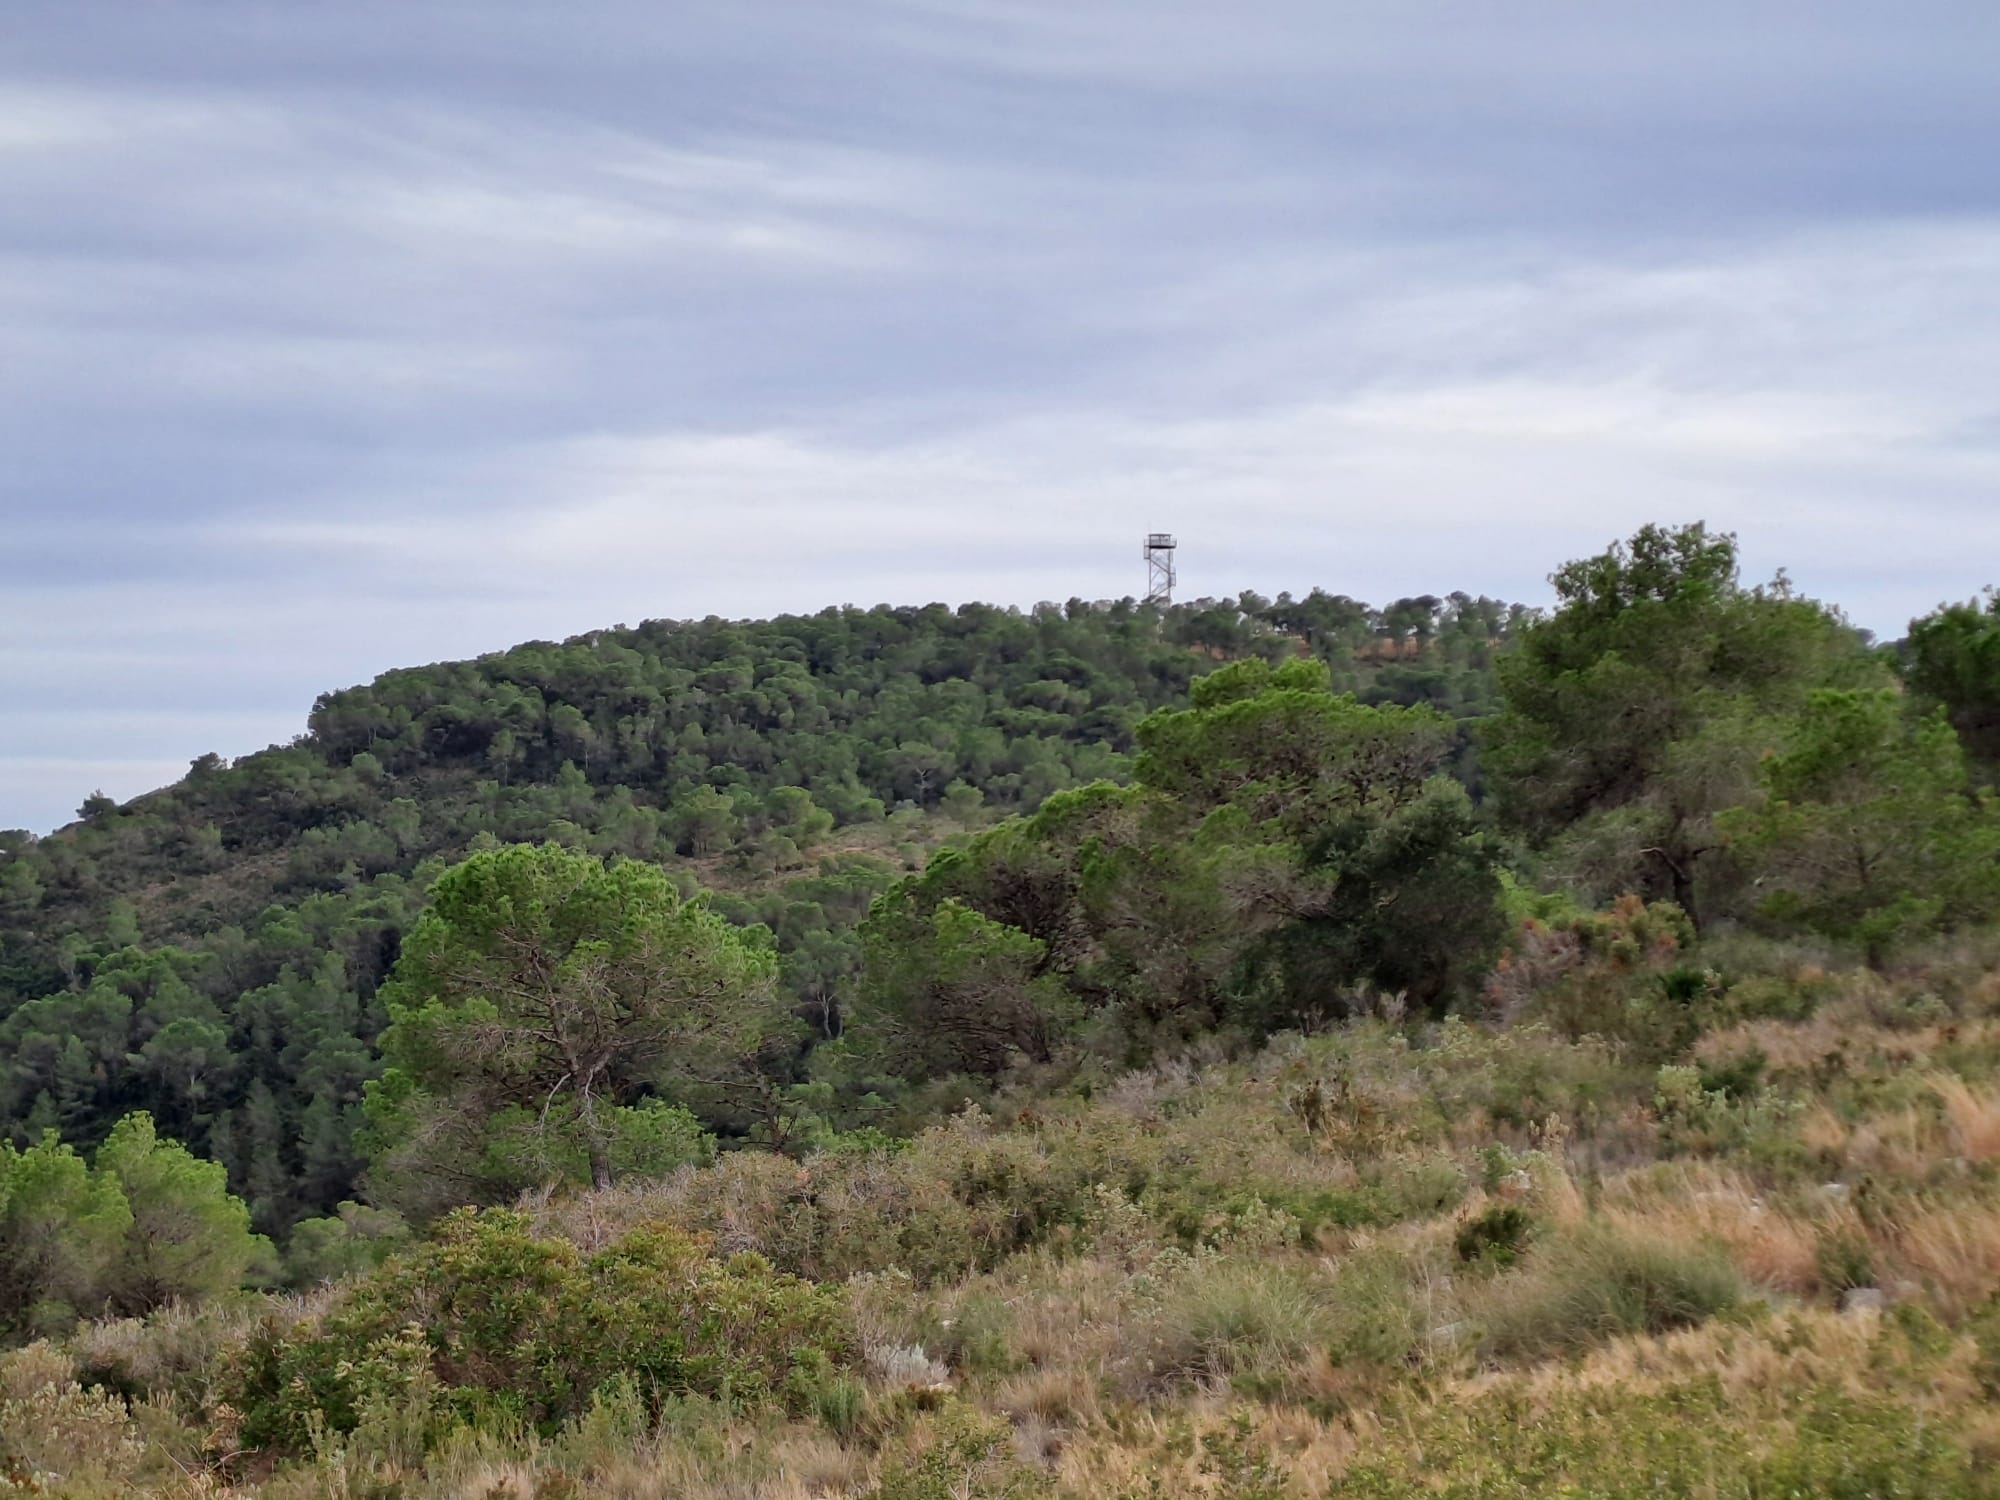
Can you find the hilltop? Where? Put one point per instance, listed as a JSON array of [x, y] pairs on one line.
[[210, 952]]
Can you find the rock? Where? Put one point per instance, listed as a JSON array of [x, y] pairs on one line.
[[1450, 1335], [1837, 1191], [1863, 1299]]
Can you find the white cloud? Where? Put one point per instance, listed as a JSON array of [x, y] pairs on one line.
[[1805, 437], [409, 333]]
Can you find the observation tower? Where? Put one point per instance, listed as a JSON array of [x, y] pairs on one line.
[[1159, 551]]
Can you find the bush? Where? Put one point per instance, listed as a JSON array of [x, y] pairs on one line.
[[1595, 1284], [58, 1437], [353, 1240], [1227, 1318], [174, 1354], [1376, 1318], [968, 1455], [1603, 973], [510, 1327], [1495, 1236]]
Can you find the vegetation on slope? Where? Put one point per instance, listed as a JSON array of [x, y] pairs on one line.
[[1278, 1119], [212, 953], [1390, 1259]]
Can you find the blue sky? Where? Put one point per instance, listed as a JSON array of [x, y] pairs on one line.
[[343, 337]]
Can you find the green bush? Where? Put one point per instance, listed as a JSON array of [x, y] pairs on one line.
[[1594, 1284], [1375, 1317], [353, 1240], [969, 1456], [1495, 1236], [509, 1327], [1232, 1318], [1739, 1077], [58, 1437], [976, 1338]]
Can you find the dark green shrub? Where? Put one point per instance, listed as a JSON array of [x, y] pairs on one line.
[[504, 1326], [1845, 1259], [1768, 997], [1336, 1208], [1496, 1236], [1684, 985], [1738, 1077], [840, 1402]]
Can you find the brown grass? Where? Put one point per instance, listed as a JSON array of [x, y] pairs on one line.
[[1954, 1251], [1973, 1114], [1803, 1046], [1698, 1203]]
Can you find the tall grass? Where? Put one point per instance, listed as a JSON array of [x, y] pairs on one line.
[[1595, 1283]]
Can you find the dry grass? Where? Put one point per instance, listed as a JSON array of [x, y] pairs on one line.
[[1057, 1398], [1080, 1314], [1900, 1145], [1954, 1251], [1808, 1348], [1843, 1032], [1973, 1114], [1167, 1447], [739, 1461], [1691, 1204]]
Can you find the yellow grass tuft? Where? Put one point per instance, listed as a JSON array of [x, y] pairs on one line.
[[1699, 1204], [1973, 1114], [1955, 1251]]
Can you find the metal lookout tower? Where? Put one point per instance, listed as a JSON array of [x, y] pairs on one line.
[[1159, 568]]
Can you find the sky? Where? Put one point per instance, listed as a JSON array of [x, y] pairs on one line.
[[337, 338]]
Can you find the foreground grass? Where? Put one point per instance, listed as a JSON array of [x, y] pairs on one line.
[[1749, 1247]]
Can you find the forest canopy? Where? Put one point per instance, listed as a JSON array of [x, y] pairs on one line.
[[900, 850], [214, 953]]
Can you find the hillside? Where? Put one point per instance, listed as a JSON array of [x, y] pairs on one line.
[[1389, 1261], [1114, 1056], [211, 952]]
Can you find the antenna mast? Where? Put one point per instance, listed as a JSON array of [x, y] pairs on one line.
[[1159, 550]]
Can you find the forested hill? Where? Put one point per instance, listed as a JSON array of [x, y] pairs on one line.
[[210, 952], [988, 1134]]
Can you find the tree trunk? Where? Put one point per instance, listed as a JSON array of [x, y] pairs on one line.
[[1683, 882], [595, 1144], [1679, 861]]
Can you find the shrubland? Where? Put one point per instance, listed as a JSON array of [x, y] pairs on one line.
[[1301, 1114], [1395, 1256]]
